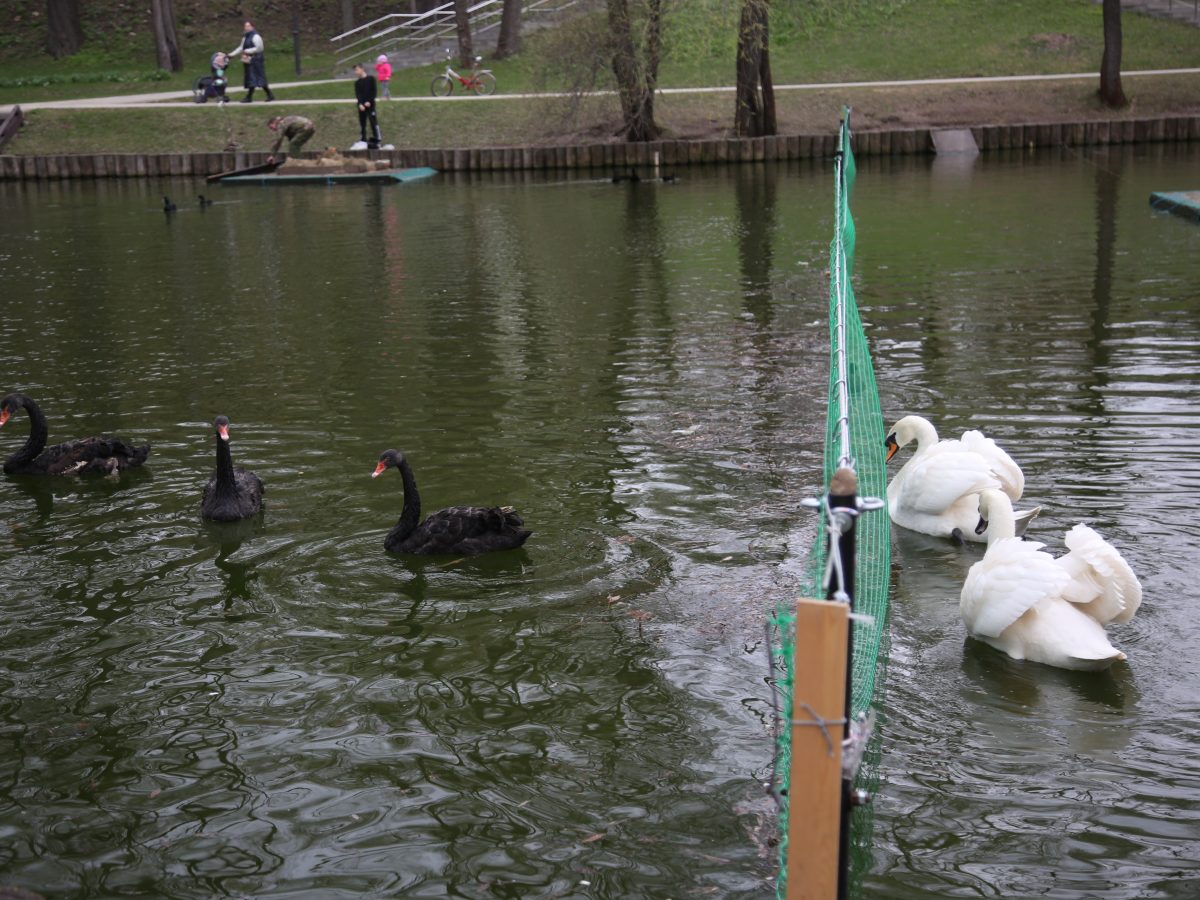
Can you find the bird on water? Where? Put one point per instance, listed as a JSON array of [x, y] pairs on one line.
[[466, 530]]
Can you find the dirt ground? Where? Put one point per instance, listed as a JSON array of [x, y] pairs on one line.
[[689, 117]]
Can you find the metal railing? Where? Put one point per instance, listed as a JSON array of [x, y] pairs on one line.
[[415, 31]]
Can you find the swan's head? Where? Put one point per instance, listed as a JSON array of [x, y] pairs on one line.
[[9, 406], [992, 503], [221, 425], [388, 459], [908, 429]]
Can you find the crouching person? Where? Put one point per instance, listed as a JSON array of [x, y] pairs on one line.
[[296, 130]]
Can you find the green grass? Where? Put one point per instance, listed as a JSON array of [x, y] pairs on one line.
[[812, 41]]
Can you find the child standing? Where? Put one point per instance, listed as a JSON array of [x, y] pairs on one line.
[[383, 71], [364, 93]]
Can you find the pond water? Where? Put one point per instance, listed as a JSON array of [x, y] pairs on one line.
[[281, 708]]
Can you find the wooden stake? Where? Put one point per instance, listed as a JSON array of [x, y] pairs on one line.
[[815, 788]]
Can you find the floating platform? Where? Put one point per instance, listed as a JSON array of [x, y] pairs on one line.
[[1182, 203], [383, 176]]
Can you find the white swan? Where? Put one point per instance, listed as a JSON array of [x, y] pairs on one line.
[[1032, 606], [937, 491]]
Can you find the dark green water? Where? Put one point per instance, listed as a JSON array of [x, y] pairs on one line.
[[283, 709]]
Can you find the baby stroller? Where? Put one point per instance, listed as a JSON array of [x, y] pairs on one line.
[[212, 85]]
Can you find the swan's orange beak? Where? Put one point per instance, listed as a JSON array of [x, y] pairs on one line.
[[379, 469], [892, 447], [223, 431], [5, 415]]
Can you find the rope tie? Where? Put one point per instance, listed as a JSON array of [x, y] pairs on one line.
[[821, 723], [833, 565]]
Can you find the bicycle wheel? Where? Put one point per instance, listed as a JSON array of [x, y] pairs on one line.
[[441, 86], [484, 84]]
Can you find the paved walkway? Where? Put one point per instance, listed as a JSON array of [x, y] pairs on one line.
[[1187, 11], [183, 98]]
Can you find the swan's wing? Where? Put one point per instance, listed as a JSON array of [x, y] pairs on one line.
[[1010, 579], [1102, 583], [468, 529], [934, 481], [93, 454], [1009, 474]]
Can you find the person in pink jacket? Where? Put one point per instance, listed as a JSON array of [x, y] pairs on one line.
[[383, 72]]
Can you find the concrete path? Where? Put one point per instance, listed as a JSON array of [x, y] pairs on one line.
[[1186, 11], [183, 98]]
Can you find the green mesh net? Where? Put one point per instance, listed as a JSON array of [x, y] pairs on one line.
[[861, 439]]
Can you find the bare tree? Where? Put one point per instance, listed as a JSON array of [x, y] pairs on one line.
[[754, 115], [166, 38], [347, 15], [1110, 64], [509, 43], [64, 33], [636, 52], [462, 25]]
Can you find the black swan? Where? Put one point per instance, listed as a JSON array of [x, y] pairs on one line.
[[105, 454], [168, 206], [460, 529], [232, 493], [204, 201]]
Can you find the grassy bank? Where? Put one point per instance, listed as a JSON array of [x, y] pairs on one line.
[[863, 41], [473, 123]]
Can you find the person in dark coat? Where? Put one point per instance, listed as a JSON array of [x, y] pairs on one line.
[[364, 93], [251, 52]]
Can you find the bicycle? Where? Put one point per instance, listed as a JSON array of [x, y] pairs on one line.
[[481, 81]]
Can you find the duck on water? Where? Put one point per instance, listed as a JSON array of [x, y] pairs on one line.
[[105, 454]]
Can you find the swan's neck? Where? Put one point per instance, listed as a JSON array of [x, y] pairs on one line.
[[410, 516], [1001, 523], [37, 436], [225, 482], [924, 434]]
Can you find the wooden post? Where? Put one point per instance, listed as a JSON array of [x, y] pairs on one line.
[[815, 788]]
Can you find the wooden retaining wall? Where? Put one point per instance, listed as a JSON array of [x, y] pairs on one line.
[[892, 142]]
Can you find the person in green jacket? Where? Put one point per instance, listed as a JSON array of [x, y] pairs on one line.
[[296, 130]]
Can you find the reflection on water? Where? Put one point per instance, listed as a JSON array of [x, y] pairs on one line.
[[279, 707]]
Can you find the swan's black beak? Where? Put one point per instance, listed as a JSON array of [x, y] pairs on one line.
[[379, 469], [892, 447], [223, 431], [5, 415], [982, 526]]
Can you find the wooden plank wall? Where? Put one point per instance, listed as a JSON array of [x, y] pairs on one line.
[[11, 124], [672, 154]]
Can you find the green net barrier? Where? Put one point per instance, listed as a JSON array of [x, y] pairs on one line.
[[854, 435]]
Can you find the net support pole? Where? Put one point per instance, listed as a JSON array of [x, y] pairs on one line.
[[843, 510], [818, 727]]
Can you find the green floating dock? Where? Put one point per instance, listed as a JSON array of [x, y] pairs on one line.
[[1182, 203], [387, 176]]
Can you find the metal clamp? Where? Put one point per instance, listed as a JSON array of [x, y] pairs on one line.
[[855, 743]]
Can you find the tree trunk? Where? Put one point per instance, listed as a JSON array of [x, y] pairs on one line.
[[1110, 64], [347, 15], [64, 34], [166, 38], [509, 43], [754, 112], [637, 75], [462, 25]]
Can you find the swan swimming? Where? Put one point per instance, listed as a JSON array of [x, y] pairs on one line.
[[936, 492], [1032, 606]]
